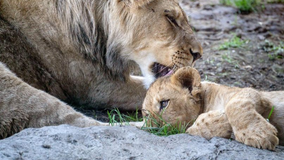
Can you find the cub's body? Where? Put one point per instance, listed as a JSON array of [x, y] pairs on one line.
[[244, 102], [217, 110]]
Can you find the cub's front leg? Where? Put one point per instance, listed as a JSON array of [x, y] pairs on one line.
[[248, 125], [211, 124]]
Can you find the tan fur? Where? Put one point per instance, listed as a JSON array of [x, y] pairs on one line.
[[218, 110], [83, 52], [24, 106]]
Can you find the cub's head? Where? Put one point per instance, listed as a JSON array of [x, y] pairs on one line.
[[174, 99], [155, 34]]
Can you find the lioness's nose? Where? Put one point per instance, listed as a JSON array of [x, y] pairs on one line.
[[196, 52]]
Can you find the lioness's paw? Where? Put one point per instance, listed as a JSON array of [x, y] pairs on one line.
[[264, 137]]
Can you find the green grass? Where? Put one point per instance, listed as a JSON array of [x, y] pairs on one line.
[[275, 51], [234, 42], [247, 6], [116, 117], [162, 128], [271, 111], [244, 6], [227, 58], [166, 130], [275, 1]]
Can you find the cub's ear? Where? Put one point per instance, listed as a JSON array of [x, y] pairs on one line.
[[136, 3], [187, 77]]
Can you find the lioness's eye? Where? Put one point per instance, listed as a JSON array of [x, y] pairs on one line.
[[172, 20], [164, 104]]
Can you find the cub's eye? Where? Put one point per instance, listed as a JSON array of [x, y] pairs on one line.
[[164, 104], [172, 20]]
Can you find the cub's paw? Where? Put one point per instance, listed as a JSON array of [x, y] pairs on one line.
[[263, 135], [211, 124]]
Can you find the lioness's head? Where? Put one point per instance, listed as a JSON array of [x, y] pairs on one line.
[[155, 34], [174, 99]]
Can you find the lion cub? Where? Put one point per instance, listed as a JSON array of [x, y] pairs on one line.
[[213, 110]]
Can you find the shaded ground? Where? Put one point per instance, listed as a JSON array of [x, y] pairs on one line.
[[258, 62]]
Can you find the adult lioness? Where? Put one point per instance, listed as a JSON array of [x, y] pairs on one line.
[[81, 51], [217, 110]]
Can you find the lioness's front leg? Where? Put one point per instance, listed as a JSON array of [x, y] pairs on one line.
[[248, 125], [23, 106], [211, 124]]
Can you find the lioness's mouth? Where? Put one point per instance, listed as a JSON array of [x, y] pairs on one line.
[[160, 70]]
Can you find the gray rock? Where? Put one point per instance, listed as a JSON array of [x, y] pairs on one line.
[[66, 142]]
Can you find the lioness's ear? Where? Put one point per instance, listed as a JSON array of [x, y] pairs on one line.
[[187, 77], [137, 3]]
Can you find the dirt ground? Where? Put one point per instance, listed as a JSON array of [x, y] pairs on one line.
[[257, 63]]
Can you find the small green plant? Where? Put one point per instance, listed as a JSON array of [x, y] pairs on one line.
[[244, 6], [210, 61], [133, 116], [234, 42], [116, 117], [227, 58], [271, 111], [274, 56], [166, 130], [274, 51], [275, 1], [163, 128]]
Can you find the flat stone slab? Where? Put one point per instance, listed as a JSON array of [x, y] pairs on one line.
[[66, 142]]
